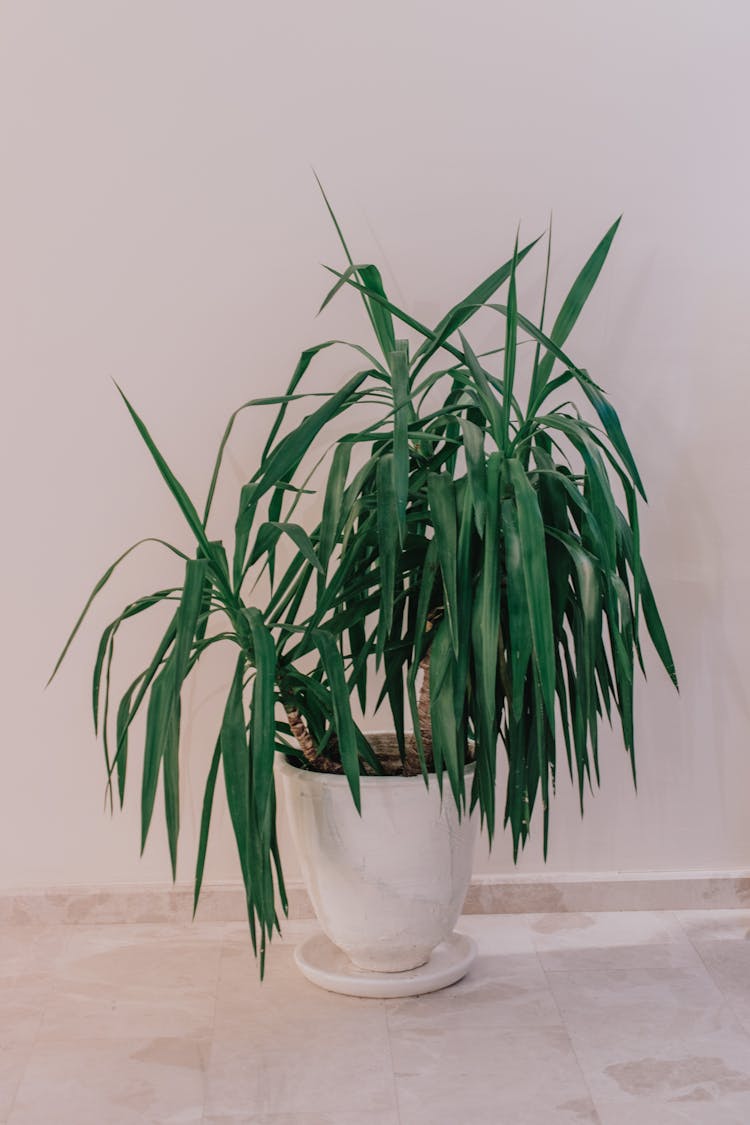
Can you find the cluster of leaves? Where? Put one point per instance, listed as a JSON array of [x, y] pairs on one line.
[[474, 534]]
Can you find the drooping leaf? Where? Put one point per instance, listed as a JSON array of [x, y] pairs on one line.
[[208, 801], [486, 630], [269, 533], [404, 414], [387, 524], [342, 714], [235, 759], [536, 575], [333, 511], [262, 732], [442, 500], [162, 731], [476, 464], [98, 588]]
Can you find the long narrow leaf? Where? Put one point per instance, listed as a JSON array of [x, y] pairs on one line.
[[342, 714], [534, 562]]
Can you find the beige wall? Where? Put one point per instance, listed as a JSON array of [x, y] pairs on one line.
[[159, 224]]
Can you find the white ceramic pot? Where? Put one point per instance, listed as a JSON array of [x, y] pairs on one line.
[[387, 887]]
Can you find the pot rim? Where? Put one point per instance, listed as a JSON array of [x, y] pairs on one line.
[[368, 780]]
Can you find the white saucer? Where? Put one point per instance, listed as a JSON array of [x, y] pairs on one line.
[[326, 965]]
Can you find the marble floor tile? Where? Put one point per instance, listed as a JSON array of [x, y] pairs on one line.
[[715, 925], [728, 964], [256, 1015], [148, 955], [497, 934], [113, 1082], [340, 1076], [505, 991], [349, 1117], [527, 1075], [284, 1046], [14, 1058], [606, 1019], [639, 1005], [702, 1077], [117, 1009], [22, 1003], [600, 941], [133, 982], [685, 1112], [30, 951], [660, 1045]]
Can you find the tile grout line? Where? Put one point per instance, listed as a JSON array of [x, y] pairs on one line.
[[35, 1038], [569, 1033], [393, 1063], [727, 999]]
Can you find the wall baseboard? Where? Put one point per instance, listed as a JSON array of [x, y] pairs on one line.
[[488, 894]]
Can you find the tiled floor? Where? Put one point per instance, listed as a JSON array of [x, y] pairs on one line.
[[617, 1019]]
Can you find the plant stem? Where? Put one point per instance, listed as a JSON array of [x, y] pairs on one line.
[[423, 711], [306, 744]]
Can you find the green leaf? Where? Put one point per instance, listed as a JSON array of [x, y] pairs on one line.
[[656, 628], [404, 317], [235, 759], [492, 408], [270, 532], [531, 329], [381, 317], [464, 310], [509, 359], [486, 631], [467, 544], [589, 606], [388, 540], [109, 633], [284, 459], [98, 588], [121, 729], [191, 604], [162, 730], [476, 463], [178, 492], [601, 498], [571, 308], [139, 688], [262, 732], [188, 614], [609, 419], [519, 626], [403, 415], [383, 328], [442, 501], [534, 563], [537, 349], [208, 801], [333, 508], [342, 714], [303, 363]]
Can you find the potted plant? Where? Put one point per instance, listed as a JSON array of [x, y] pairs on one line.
[[478, 547]]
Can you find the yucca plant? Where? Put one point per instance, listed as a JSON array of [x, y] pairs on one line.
[[478, 547]]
